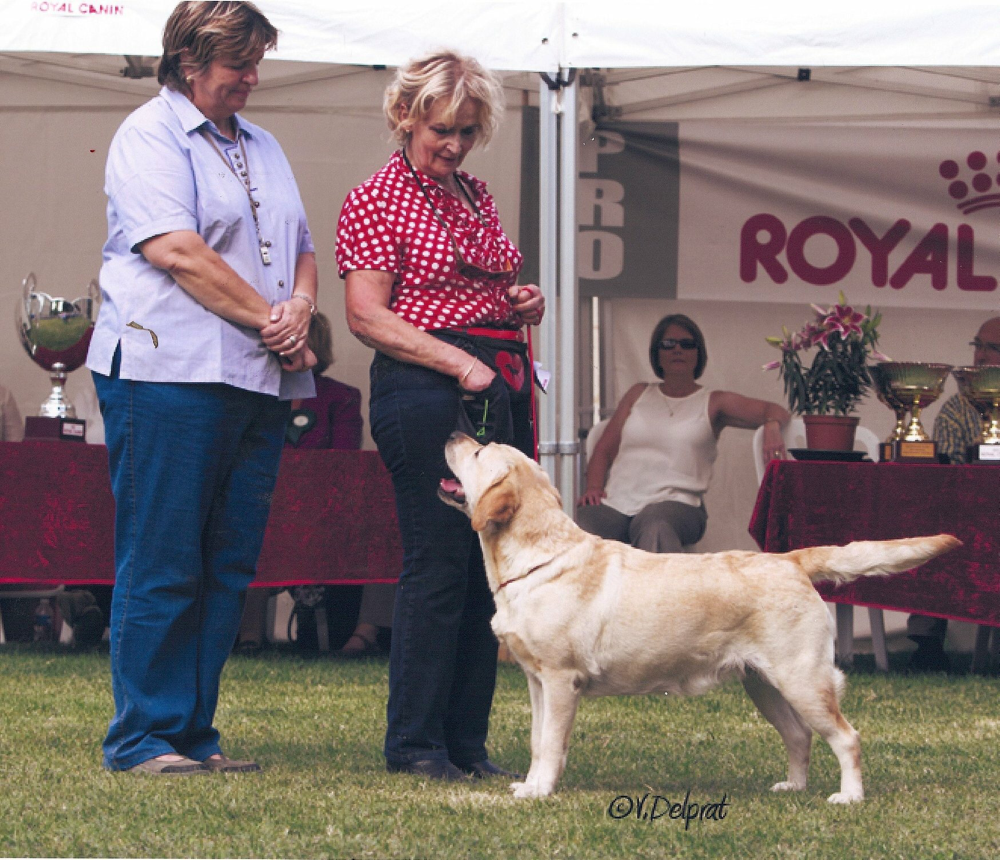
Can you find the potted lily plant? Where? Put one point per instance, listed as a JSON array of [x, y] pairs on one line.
[[840, 341]]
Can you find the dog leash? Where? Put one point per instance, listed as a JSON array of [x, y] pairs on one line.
[[534, 400]]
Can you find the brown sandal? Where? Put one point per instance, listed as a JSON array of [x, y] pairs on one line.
[[370, 648]]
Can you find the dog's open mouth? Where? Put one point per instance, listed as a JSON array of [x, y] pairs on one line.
[[452, 489]]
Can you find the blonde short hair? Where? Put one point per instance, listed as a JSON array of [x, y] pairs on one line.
[[445, 75], [199, 31]]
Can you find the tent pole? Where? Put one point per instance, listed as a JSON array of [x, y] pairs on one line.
[[548, 256], [569, 445]]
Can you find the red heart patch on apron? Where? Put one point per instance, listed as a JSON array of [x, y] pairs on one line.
[[511, 368]]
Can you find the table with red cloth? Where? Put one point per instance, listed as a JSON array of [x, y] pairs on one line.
[[333, 518], [802, 504]]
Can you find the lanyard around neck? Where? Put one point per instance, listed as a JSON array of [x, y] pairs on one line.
[[458, 181], [244, 179]]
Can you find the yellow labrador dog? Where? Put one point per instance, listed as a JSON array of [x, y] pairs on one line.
[[590, 617]]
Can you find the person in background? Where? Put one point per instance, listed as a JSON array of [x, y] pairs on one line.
[[209, 282], [956, 427], [331, 419], [651, 467], [431, 284], [11, 424]]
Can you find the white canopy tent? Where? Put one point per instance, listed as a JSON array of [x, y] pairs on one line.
[[549, 35], [655, 57]]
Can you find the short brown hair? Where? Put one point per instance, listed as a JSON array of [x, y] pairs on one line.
[[446, 75], [684, 322], [320, 341], [199, 31]]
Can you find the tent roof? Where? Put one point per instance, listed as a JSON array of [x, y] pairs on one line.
[[546, 35]]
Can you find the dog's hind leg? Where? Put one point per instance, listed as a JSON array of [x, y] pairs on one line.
[[818, 704], [560, 695], [794, 731]]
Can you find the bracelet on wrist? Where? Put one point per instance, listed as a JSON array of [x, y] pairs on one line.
[[462, 378], [308, 301]]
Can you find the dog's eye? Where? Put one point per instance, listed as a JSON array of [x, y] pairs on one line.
[[478, 452]]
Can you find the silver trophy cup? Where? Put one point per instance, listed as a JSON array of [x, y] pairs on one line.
[[56, 334]]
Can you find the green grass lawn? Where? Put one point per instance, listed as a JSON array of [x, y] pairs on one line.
[[931, 749]]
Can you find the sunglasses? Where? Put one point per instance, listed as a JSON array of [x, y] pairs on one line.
[[985, 344], [683, 343]]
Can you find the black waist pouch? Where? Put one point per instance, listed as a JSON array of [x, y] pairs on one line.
[[486, 415]]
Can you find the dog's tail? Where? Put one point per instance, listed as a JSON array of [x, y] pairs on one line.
[[870, 557]]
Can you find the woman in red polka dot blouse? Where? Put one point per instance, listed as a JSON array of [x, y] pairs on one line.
[[431, 285]]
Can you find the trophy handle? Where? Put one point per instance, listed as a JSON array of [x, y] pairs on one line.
[[88, 304], [31, 300], [28, 285]]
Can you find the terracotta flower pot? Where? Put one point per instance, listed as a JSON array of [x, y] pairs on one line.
[[830, 432]]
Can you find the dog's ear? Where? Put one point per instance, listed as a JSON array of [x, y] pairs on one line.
[[497, 505]]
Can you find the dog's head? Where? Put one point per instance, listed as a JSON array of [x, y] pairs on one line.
[[491, 480]]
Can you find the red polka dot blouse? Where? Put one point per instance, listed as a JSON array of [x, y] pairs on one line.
[[388, 224]]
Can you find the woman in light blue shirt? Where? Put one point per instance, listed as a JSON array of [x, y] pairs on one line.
[[208, 284]]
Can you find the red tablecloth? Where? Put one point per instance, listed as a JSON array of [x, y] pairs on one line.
[[333, 518], [814, 503]]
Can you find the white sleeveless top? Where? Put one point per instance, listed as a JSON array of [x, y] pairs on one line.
[[666, 454]]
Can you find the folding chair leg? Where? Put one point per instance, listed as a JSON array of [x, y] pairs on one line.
[[322, 628], [845, 634], [270, 613], [981, 653], [877, 624]]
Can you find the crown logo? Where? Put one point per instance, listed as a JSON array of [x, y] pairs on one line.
[[978, 185]]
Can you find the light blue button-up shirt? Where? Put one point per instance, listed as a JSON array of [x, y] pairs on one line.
[[163, 175]]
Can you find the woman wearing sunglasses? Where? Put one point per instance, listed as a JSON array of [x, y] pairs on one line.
[[649, 471], [431, 285]]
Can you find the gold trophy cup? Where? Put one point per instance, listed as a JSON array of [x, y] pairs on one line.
[[909, 386], [981, 387]]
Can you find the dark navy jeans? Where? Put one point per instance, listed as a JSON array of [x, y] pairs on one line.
[[442, 667], [193, 467]]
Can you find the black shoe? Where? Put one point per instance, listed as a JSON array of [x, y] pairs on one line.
[[88, 628], [429, 768], [929, 656], [485, 769]]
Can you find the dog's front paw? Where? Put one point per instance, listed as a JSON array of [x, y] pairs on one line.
[[528, 789], [846, 797], [787, 786]]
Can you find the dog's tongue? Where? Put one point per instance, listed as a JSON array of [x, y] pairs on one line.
[[452, 487]]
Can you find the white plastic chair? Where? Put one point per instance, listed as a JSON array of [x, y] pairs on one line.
[[795, 437], [864, 440], [595, 433]]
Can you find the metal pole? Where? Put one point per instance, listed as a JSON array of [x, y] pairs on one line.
[[569, 445], [548, 255]]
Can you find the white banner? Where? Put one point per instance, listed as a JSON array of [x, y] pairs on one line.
[[892, 214]]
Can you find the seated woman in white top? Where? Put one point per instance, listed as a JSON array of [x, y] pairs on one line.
[[647, 477]]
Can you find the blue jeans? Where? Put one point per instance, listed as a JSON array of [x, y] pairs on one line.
[[442, 666], [193, 467]]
